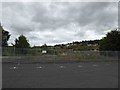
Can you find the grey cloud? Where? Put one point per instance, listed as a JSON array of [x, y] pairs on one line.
[[95, 13], [24, 18], [21, 30], [83, 15], [34, 38], [47, 18]]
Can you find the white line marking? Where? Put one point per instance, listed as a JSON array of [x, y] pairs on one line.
[[79, 66], [95, 65], [14, 68], [62, 67], [39, 67]]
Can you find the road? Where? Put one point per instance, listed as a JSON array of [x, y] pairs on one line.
[[64, 75]]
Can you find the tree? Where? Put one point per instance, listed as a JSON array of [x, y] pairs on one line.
[[21, 45], [44, 46], [21, 42], [5, 36], [111, 42]]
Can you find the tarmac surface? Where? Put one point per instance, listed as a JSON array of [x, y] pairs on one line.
[[63, 75]]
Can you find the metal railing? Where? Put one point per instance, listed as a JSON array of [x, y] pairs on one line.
[[53, 55]]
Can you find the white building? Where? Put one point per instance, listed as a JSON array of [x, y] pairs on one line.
[[44, 51]]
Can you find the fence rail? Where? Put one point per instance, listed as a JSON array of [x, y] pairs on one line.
[[31, 55]]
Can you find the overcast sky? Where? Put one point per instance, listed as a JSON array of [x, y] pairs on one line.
[[59, 22]]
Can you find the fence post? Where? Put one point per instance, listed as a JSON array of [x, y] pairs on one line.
[[1, 55]]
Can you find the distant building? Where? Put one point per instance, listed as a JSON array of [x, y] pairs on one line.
[[89, 45], [44, 51], [67, 45], [64, 54]]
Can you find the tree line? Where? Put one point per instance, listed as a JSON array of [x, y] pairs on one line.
[[20, 42], [111, 42]]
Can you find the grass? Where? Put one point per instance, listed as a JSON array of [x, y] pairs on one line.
[[69, 57]]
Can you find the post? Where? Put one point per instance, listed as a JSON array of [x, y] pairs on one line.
[[14, 50], [0, 56]]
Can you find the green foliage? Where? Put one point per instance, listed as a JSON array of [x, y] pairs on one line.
[[21, 45], [8, 51], [44, 46], [21, 42], [111, 42], [5, 37]]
